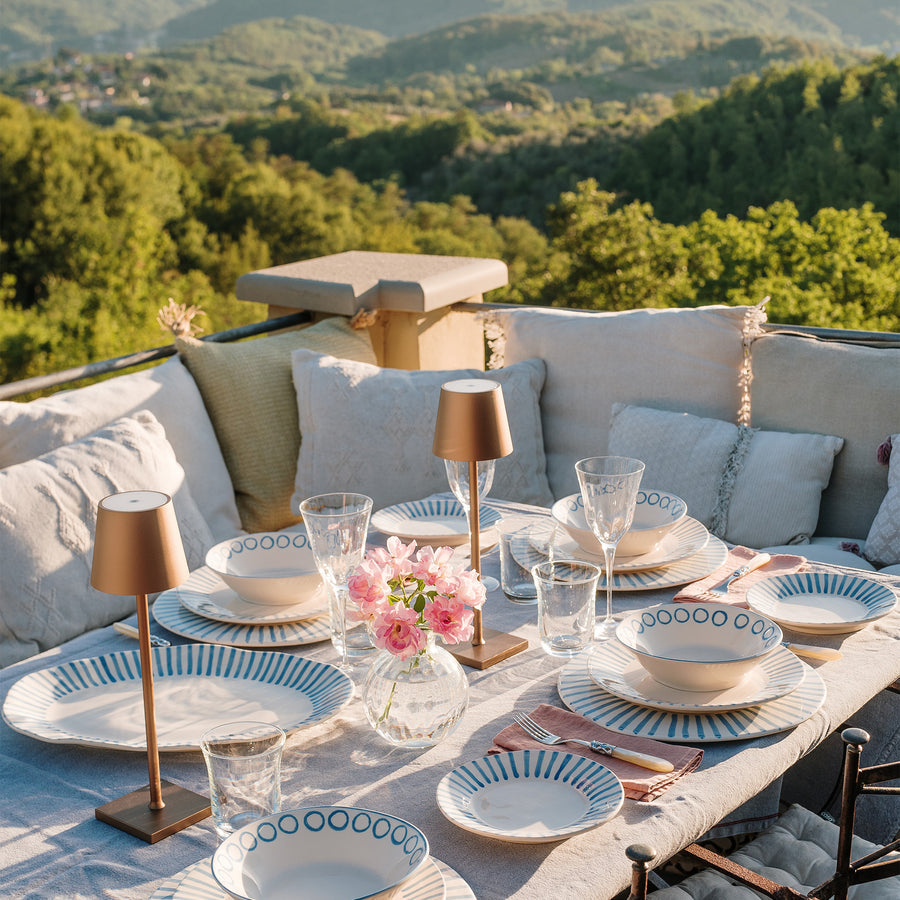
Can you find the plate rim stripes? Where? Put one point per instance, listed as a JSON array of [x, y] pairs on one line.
[[618, 659], [578, 690], [431, 507], [172, 615], [464, 781], [25, 708], [875, 596]]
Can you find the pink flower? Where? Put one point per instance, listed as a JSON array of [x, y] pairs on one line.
[[431, 564], [368, 590], [399, 562], [450, 618], [469, 589], [396, 630]]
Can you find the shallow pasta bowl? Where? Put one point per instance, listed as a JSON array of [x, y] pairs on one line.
[[698, 646], [332, 852], [271, 568], [656, 513]]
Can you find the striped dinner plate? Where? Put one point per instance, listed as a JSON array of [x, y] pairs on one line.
[[583, 695], [97, 702], [434, 520]]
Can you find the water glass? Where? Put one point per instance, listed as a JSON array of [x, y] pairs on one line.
[[521, 538], [243, 760], [566, 593], [458, 478], [337, 525]]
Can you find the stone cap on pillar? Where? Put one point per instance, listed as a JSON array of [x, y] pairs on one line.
[[345, 283]]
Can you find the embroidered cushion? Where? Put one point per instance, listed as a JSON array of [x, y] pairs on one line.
[[747, 486], [371, 430], [48, 515]]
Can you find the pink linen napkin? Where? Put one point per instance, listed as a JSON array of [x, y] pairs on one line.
[[639, 783], [779, 564]]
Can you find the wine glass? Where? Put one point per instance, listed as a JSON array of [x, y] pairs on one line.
[[458, 476], [609, 486], [337, 525]]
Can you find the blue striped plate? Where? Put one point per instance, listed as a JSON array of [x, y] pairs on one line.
[[170, 612], [821, 602], [583, 695], [97, 702], [436, 881], [530, 796], [434, 520]]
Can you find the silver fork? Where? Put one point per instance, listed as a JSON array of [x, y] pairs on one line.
[[539, 733]]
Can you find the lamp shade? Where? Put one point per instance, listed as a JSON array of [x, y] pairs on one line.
[[471, 421], [137, 547]]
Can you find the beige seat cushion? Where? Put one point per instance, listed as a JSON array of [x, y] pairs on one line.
[[684, 360], [806, 385], [798, 850], [248, 391]]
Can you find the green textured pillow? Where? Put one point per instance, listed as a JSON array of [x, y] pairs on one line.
[[249, 394]]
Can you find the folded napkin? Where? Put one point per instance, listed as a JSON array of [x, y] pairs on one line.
[[639, 783], [779, 564]]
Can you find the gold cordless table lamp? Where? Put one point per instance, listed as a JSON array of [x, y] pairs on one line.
[[138, 550], [471, 427]]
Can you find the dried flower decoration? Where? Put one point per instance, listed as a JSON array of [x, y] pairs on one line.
[[179, 319], [883, 453]]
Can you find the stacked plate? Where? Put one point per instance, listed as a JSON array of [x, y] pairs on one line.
[[437, 521], [611, 687], [204, 608], [686, 553]]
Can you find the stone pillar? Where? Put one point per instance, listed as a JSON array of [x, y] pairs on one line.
[[413, 295]]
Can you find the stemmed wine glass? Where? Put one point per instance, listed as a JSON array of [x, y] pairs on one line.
[[337, 525], [458, 476], [609, 486]]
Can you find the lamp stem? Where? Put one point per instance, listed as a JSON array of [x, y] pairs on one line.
[[143, 608], [475, 540]]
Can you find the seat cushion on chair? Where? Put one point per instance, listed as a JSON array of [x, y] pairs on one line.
[[798, 851]]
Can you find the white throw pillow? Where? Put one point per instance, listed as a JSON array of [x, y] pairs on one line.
[[684, 359], [48, 515], [883, 543], [371, 430], [168, 391], [750, 487]]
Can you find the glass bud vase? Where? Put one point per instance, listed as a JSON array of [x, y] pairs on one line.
[[415, 702]]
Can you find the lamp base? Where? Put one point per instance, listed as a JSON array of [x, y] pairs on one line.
[[132, 812], [497, 646]]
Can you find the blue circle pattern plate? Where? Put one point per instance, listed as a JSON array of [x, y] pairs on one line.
[[437, 881], [530, 796], [583, 695]]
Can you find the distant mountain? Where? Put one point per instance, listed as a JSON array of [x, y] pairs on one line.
[[32, 29]]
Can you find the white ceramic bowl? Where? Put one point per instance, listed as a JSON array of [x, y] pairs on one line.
[[333, 852], [656, 513], [698, 646], [271, 568]]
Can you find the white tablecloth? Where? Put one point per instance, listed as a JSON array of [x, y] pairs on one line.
[[52, 846]]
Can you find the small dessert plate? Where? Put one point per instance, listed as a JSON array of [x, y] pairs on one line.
[[616, 670], [530, 796], [821, 602], [206, 595]]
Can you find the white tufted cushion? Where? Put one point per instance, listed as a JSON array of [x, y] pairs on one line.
[[798, 850], [883, 543], [28, 430], [48, 515], [371, 430]]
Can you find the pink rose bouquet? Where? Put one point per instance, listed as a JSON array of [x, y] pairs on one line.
[[404, 596]]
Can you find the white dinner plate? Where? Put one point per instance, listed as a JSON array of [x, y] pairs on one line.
[[615, 669], [435, 520], [436, 881], [530, 796], [168, 611], [686, 539], [206, 595], [583, 695], [821, 602], [713, 554], [97, 702]]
